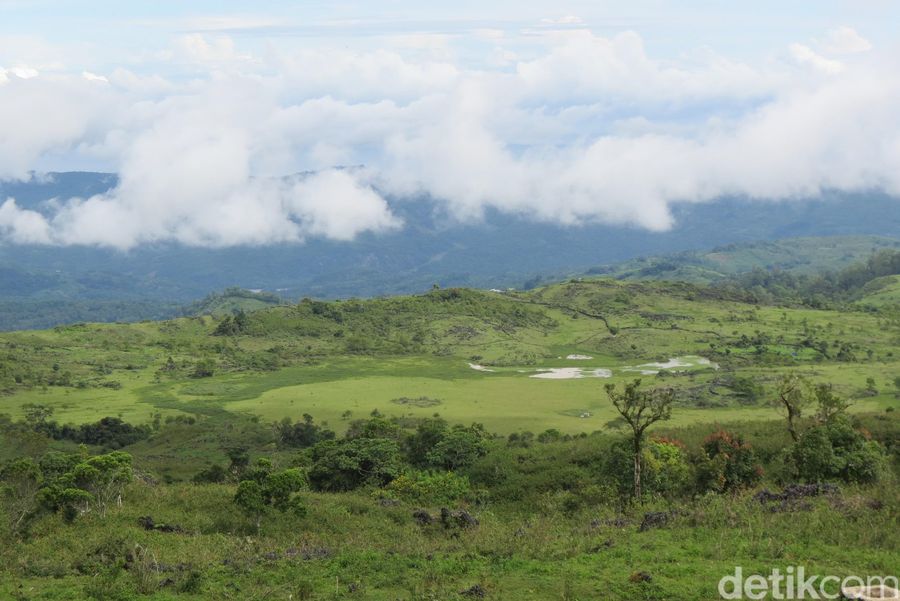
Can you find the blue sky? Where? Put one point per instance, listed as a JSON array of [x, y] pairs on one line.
[[567, 111], [110, 31]]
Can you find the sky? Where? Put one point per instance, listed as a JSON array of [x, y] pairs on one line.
[[566, 112]]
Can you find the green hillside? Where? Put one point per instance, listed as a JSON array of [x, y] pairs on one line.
[[457, 444], [232, 300], [882, 292], [326, 358], [795, 255]]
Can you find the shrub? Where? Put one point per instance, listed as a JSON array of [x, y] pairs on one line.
[[302, 434], [214, 474], [459, 447], [666, 471], [266, 489], [728, 463], [348, 464], [436, 488], [837, 451]]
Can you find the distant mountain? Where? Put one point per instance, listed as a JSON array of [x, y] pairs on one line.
[[796, 255], [500, 251]]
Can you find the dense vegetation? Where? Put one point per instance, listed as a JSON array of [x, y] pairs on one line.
[[819, 290], [420, 509]]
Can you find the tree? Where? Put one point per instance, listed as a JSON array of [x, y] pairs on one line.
[[265, 490], [428, 433], [204, 368], [36, 416], [19, 483], [870, 386], [640, 409], [793, 397], [459, 447], [239, 459], [836, 451], [829, 404], [730, 463], [302, 434], [104, 477], [348, 464]]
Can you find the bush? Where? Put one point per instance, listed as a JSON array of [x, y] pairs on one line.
[[348, 464], [266, 489], [302, 434], [214, 474], [666, 471], [459, 448], [434, 488], [836, 451], [728, 463]]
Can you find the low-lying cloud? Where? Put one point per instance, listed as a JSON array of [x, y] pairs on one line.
[[585, 129]]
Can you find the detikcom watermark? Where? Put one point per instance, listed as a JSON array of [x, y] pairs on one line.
[[793, 583]]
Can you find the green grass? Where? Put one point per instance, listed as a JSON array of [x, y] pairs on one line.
[[882, 292], [325, 359], [351, 539], [550, 526]]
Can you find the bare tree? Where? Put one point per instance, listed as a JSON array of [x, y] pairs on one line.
[[792, 399], [640, 409]]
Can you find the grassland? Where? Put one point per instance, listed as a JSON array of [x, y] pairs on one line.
[[330, 358], [551, 522], [351, 547]]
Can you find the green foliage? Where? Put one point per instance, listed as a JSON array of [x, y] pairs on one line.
[[793, 397], [350, 463], [104, 477], [458, 448], [666, 470], [430, 488], [301, 434], [729, 463], [640, 409], [375, 427], [836, 451], [266, 489], [233, 325], [214, 474], [67, 484], [20, 481], [108, 432], [830, 406], [429, 432], [669, 473], [204, 368]]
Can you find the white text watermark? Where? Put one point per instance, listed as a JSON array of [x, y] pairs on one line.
[[794, 583]]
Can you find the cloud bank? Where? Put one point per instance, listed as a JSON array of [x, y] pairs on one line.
[[580, 128]]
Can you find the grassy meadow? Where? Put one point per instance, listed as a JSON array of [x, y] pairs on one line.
[[553, 519], [359, 356]]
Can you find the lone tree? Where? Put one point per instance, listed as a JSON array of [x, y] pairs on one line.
[[265, 489], [640, 409], [830, 405], [793, 397]]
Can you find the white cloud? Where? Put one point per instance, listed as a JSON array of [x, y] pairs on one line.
[[94, 77], [586, 129], [565, 20], [201, 48], [846, 40], [22, 226], [807, 56]]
